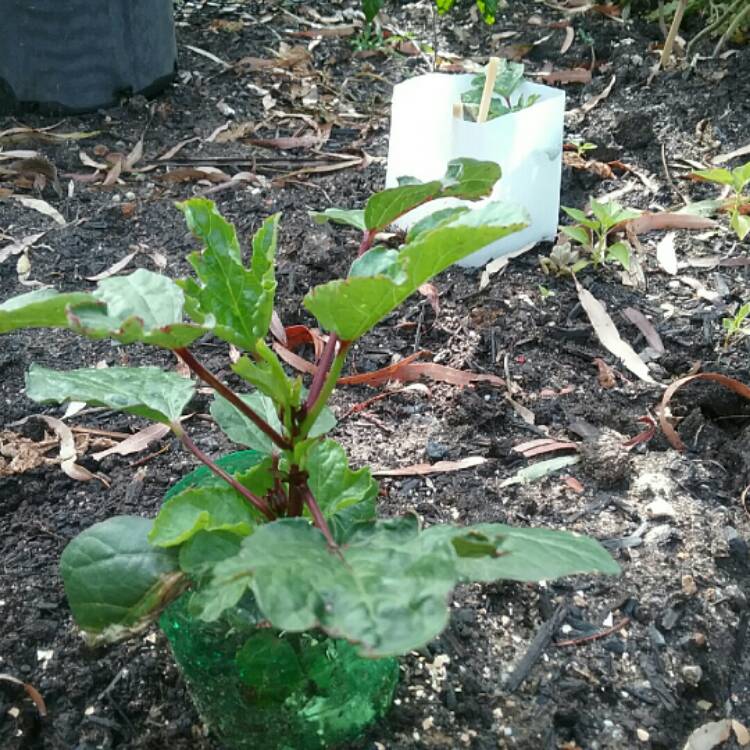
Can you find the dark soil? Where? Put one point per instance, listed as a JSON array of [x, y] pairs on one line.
[[683, 656]]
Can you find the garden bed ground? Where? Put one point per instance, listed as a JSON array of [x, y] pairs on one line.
[[683, 656]]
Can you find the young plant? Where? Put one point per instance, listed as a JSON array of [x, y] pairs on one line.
[[487, 8], [735, 327], [295, 539], [562, 261], [509, 78], [582, 147], [592, 234], [736, 179]]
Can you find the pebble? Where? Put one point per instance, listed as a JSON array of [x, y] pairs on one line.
[[689, 586], [692, 674], [661, 508], [658, 534], [130, 196], [643, 735]]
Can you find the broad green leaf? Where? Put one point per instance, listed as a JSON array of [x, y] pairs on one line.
[[741, 177], [509, 77], [579, 234], [470, 179], [235, 301], [42, 308], [444, 6], [353, 218], [721, 176], [539, 470], [240, 429], [611, 213], [488, 8], [580, 217], [350, 307], [464, 178], [201, 509], [258, 479], [115, 581], [201, 552], [351, 518], [385, 207], [741, 224], [371, 8], [528, 554], [434, 220], [269, 665], [388, 593], [333, 484], [620, 251], [267, 375], [145, 391], [379, 261], [142, 306], [703, 208]]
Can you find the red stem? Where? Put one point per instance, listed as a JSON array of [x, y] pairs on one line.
[[367, 240], [318, 517], [253, 499], [210, 379], [324, 365]]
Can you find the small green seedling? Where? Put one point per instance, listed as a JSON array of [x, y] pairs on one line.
[[562, 261], [593, 233], [735, 327], [545, 293], [509, 78], [582, 147], [736, 179]]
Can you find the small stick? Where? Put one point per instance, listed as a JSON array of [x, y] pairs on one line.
[[595, 636], [458, 110], [489, 87], [666, 52]]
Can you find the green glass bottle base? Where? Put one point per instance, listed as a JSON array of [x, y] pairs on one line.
[[257, 688]]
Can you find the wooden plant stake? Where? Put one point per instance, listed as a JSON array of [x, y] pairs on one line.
[[489, 86], [666, 52]]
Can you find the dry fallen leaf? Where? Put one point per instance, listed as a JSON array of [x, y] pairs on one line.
[[439, 467], [31, 691], [709, 735], [113, 269], [665, 253], [607, 333], [606, 376], [645, 326], [136, 442], [21, 246], [37, 204]]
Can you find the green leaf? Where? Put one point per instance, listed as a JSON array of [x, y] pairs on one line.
[[237, 302], [579, 234], [620, 251], [388, 593], [145, 391], [333, 484], [240, 429], [267, 375], [532, 554], [371, 8], [509, 75], [353, 218], [350, 307], [346, 521], [581, 218], [385, 207], [142, 306], [202, 509], [444, 6], [721, 176], [434, 220], [740, 223], [488, 8], [464, 178], [42, 308], [115, 581], [269, 665], [201, 552], [259, 478], [741, 177], [379, 261]]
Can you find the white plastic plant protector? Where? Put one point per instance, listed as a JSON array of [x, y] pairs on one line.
[[527, 145]]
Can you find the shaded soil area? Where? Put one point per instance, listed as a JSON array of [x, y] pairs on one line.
[[636, 661]]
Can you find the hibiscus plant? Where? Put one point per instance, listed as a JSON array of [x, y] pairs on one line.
[[298, 532]]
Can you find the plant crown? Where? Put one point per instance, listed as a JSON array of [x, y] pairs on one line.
[[737, 180], [293, 540]]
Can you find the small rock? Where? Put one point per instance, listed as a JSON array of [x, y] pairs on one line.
[[658, 534], [435, 451], [689, 586], [661, 508], [692, 674], [643, 735], [699, 639]]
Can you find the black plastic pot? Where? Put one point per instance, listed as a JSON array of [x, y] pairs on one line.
[[62, 56]]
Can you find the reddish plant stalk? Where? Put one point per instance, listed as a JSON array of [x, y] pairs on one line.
[[318, 517], [251, 498], [324, 366], [367, 240], [227, 393]]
